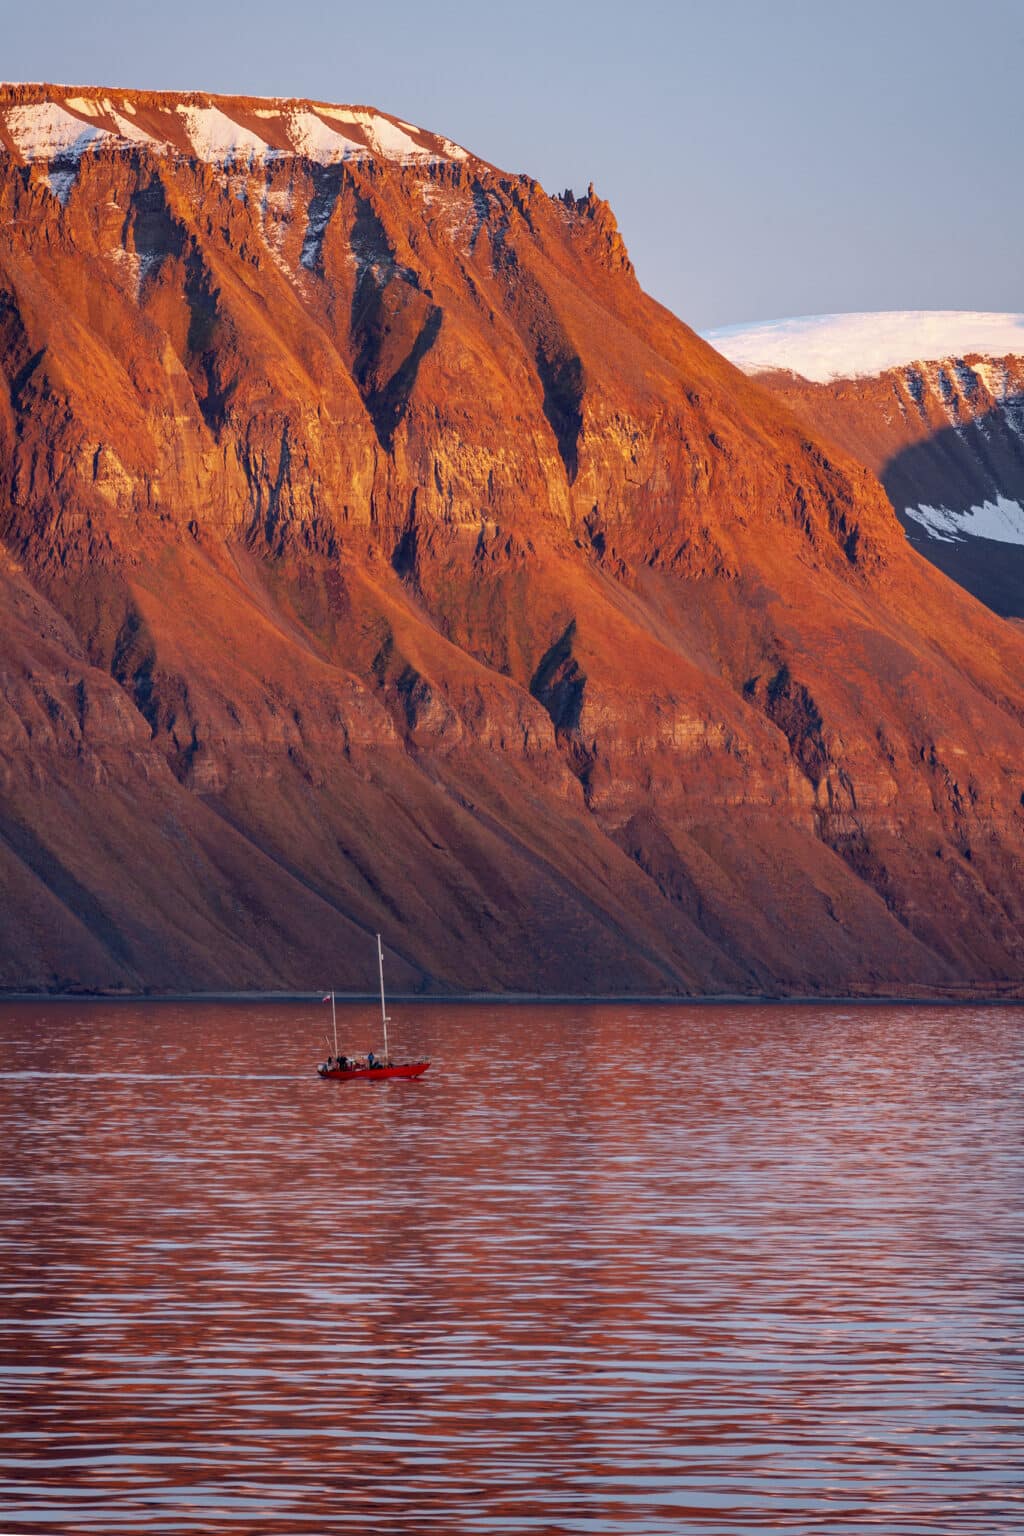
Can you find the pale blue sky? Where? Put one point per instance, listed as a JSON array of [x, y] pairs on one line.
[[763, 159]]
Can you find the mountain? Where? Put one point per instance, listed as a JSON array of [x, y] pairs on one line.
[[933, 403], [376, 555]]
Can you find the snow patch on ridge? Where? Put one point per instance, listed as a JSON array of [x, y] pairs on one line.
[[384, 136], [46, 131], [131, 131], [215, 136], [313, 138], [394, 142], [826, 347], [1001, 520]]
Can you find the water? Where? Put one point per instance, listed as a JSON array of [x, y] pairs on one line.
[[603, 1269]]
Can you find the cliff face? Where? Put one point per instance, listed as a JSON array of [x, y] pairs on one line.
[[376, 555]]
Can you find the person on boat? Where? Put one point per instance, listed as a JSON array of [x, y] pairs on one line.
[[343, 1063], [371, 1060]]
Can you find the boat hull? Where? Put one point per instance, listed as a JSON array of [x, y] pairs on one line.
[[374, 1074]]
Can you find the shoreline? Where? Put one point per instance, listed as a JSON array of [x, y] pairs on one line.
[[541, 999]]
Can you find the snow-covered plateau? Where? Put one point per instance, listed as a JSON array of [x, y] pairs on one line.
[[66, 122], [826, 347]]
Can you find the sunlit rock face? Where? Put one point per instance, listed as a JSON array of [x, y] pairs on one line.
[[377, 556], [933, 403]]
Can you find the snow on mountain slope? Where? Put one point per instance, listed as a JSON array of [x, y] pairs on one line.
[[933, 402], [1001, 520], [826, 347], [54, 126]]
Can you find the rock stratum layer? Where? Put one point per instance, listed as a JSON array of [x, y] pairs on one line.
[[377, 556], [931, 402]]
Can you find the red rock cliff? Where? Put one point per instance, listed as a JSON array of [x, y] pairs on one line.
[[376, 555]]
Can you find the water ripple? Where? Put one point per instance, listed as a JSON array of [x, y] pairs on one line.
[[602, 1269]]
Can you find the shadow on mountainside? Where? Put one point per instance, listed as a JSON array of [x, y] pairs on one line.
[[956, 469]]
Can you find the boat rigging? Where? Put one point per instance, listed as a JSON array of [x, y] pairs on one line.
[[368, 1068]]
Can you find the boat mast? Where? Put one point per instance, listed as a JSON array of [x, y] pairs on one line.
[[383, 1010], [334, 1021]]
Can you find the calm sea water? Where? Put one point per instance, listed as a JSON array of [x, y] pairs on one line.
[[603, 1269]]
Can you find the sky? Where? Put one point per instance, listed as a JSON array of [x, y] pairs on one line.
[[762, 159]]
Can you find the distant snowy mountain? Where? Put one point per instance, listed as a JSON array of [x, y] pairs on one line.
[[826, 347], [933, 402]]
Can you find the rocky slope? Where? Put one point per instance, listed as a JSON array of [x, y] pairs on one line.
[[376, 555], [933, 403]]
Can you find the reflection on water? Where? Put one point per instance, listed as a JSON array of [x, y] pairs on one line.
[[603, 1269]]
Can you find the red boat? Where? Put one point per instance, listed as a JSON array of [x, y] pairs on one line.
[[373, 1074], [368, 1069]]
